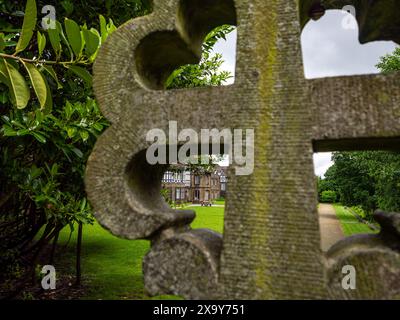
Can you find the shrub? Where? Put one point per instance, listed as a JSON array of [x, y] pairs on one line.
[[359, 211], [49, 122], [364, 214], [328, 197]]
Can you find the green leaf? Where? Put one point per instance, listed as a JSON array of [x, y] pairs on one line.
[[92, 39], [39, 137], [54, 36], [17, 124], [41, 38], [49, 101], [28, 25], [35, 172], [63, 38], [39, 116], [82, 73], [71, 132], [83, 205], [77, 152], [3, 97], [69, 110], [103, 29], [52, 73], [98, 127], [3, 73], [2, 42], [18, 87], [172, 77], [74, 36], [54, 170], [111, 27], [9, 132], [84, 135], [38, 83], [23, 132]]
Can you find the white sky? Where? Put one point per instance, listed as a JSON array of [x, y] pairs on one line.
[[329, 50]]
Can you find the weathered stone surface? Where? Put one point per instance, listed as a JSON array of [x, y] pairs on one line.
[[166, 266], [271, 242], [376, 259], [357, 112]]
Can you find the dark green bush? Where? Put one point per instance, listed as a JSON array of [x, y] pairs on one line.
[[328, 197]]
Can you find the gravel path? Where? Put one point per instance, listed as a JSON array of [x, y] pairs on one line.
[[331, 231]]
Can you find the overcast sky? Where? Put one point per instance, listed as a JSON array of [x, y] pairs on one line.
[[329, 49]]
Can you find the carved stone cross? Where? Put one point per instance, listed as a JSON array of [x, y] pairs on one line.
[[270, 248]]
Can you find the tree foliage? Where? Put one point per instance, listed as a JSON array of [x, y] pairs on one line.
[[49, 122], [328, 196], [369, 179], [82, 11], [208, 71], [390, 62]]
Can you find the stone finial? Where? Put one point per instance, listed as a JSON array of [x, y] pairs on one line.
[[271, 243]]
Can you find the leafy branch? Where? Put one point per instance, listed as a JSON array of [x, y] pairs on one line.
[[207, 72], [74, 47], [390, 62]]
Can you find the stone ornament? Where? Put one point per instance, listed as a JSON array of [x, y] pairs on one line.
[[270, 248]]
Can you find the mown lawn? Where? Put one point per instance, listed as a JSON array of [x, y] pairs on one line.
[[350, 224], [209, 218], [112, 267], [219, 202]]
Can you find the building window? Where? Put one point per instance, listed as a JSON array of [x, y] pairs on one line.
[[168, 177], [196, 194], [187, 176], [223, 187], [196, 180], [178, 177]]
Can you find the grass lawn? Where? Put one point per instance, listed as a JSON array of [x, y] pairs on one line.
[[209, 218], [350, 224], [112, 267], [218, 202]]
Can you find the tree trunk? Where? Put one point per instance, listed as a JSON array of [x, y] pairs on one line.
[[53, 249], [78, 255]]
